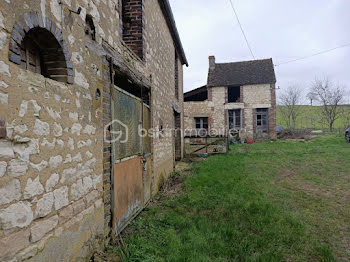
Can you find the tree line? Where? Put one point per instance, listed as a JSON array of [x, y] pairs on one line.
[[323, 92]]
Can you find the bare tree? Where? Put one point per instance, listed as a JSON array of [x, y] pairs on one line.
[[312, 97], [290, 100], [330, 98]]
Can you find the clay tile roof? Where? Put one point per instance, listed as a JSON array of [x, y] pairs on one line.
[[242, 73]]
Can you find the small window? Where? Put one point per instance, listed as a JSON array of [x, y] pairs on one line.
[[40, 48], [41, 53], [90, 30], [201, 123], [234, 94]]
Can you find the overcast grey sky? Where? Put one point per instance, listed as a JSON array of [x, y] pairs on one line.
[[281, 29]]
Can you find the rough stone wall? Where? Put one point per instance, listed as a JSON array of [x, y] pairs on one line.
[[256, 96], [272, 113], [180, 101], [54, 166], [219, 100], [253, 96], [51, 158], [196, 109], [159, 48]]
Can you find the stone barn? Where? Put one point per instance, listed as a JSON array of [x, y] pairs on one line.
[[238, 96], [78, 81]]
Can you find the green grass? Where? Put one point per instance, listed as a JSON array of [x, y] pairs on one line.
[[310, 118], [272, 201]]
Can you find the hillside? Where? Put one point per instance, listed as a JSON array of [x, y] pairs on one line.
[[310, 117]]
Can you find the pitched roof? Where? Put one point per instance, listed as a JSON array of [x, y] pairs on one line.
[[242, 73]]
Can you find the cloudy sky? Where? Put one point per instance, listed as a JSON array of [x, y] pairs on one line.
[[281, 29]]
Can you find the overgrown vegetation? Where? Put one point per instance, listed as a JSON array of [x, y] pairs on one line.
[[273, 201]]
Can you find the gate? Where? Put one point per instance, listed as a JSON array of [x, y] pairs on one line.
[[131, 157]]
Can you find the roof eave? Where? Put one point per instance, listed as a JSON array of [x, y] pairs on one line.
[[166, 8]]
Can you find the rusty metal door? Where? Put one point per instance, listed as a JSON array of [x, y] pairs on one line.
[[128, 191], [127, 157], [131, 157]]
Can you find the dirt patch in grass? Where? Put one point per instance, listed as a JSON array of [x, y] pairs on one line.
[[244, 149], [106, 257], [346, 197], [314, 190], [288, 173], [296, 134], [172, 186]]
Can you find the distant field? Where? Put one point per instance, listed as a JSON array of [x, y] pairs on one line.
[[310, 118]]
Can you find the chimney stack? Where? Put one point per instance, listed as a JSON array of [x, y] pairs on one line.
[[211, 62]]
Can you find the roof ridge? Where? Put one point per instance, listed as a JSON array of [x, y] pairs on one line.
[[255, 60]]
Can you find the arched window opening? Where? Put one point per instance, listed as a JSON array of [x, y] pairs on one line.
[[30, 56], [90, 30], [41, 53]]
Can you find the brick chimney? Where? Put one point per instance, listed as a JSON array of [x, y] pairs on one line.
[[211, 62]]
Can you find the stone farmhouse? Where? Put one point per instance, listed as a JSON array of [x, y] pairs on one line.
[[238, 96], [78, 80]]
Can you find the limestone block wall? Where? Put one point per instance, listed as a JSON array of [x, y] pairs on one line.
[[181, 102], [257, 96], [197, 109], [51, 159], [254, 96], [160, 55], [52, 163], [219, 95], [54, 166]]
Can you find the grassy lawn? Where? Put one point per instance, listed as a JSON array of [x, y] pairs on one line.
[[273, 201]]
